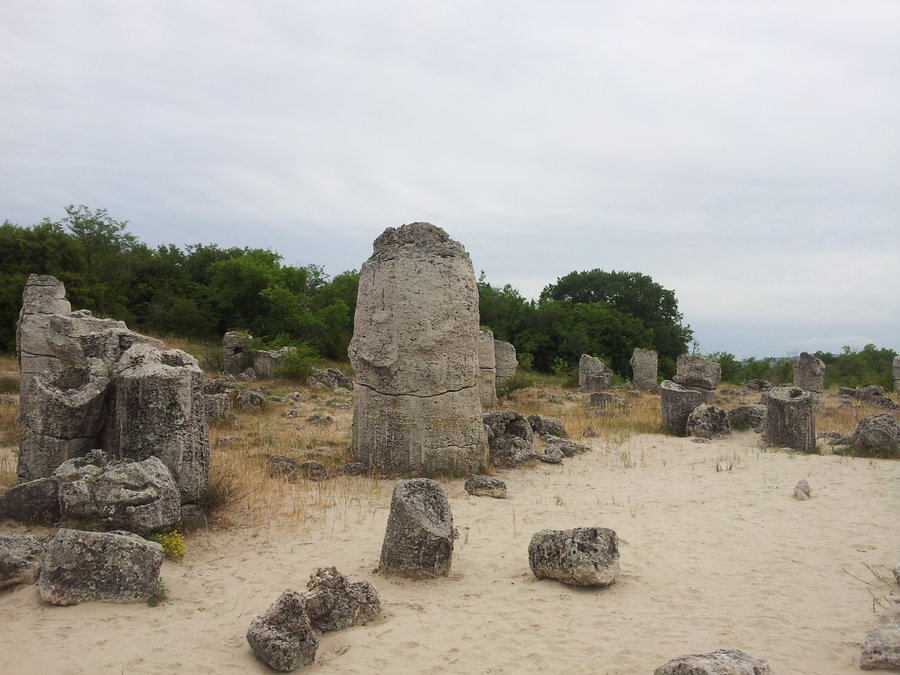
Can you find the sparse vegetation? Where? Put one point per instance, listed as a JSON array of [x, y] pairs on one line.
[[160, 595], [171, 542]]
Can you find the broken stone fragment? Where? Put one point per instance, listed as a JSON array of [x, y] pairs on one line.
[[719, 662], [485, 486], [21, 558], [584, 556], [418, 539], [283, 638], [334, 603]]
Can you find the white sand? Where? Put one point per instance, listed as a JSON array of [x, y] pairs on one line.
[[710, 559]]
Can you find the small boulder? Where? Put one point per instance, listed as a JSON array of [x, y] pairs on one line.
[[217, 406], [248, 399], [21, 558], [708, 421], [33, 501], [418, 540], [544, 425], [283, 637], [802, 491], [566, 447], [748, 417], [510, 438], [881, 648], [282, 466], [552, 455], [330, 378], [106, 566], [334, 603], [719, 662], [875, 436], [759, 385], [350, 469], [320, 420], [485, 486], [313, 470], [584, 556]]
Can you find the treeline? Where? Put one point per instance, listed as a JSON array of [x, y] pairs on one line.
[[201, 291], [850, 368]]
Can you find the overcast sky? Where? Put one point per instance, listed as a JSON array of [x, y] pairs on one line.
[[744, 154]]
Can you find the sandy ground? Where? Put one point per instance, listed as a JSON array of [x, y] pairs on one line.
[[710, 559]]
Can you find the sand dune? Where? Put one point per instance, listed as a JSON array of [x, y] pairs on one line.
[[714, 553]]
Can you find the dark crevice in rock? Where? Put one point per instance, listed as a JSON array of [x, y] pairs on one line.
[[449, 391]]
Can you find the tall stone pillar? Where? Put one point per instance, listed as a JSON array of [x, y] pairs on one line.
[[809, 373], [644, 369], [487, 370], [416, 405]]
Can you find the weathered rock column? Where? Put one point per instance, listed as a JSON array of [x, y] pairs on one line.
[[676, 404], [43, 297], [505, 360], [698, 374], [592, 375], [160, 412], [644, 369], [809, 373], [790, 420], [896, 373], [416, 408], [236, 356], [487, 370]]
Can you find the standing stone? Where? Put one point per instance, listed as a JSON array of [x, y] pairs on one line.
[[809, 373], [267, 361], [505, 360], [160, 412], [644, 367], [592, 375], [790, 420], [695, 372], [236, 356], [416, 405], [896, 373], [418, 540], [677, 403], [42, 297], [487, 370]]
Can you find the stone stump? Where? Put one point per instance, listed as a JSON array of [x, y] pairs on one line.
[[790, 420], [809, 373], [160, 411], [676, 404], [584, 556], [698, 374], [487, 370], [505, 360], [416, 405], [592, 374], [895, 373], [236, 356], [644, 368], [418, 539]]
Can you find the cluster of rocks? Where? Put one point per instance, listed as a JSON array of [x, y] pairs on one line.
[[293, 469], [91, 383], [75, 566], [284, 637], [239, 357], [511, 439], [872, 393]]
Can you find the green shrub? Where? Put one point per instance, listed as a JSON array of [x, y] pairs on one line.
[[160, 595]]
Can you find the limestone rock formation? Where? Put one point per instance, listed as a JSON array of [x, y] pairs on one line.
[[236, 352], [283, 638], [584, 556], [330, 378], [266, 362], [592, 374], [708, 421], [21, 558], [505, 360], [895, 373], [759, 385], [107, 566], [802, 491], [487, 370], [138, 497], [719, 662], [217, 406], [544, 425], [565, 446], [881, 648], [698, 373], [875, 436], [32, 501], [282, 466], [91, 383], [551, 455], [510, 438], [790, 420], [644, 369], [745, 417], [677, 403], [416, 407], [333, 602], [418, 539], [809, 373], [160, 411], [485, 486]]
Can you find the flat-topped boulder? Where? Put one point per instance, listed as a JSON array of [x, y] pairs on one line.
[[696, 372], [790, 419], [584, 556], [416, 404], [676, 405]]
